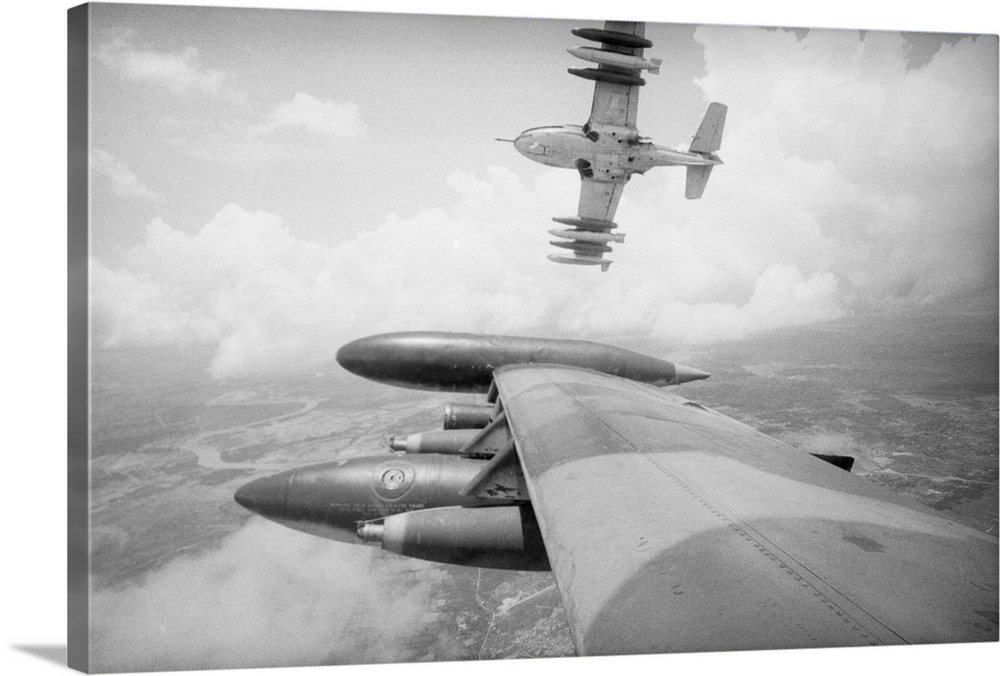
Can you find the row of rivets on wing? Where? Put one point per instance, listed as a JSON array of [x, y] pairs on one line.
[[796, 572]]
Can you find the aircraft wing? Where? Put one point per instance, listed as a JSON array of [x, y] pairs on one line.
[[672, 528], [599, 199], [617, 104]]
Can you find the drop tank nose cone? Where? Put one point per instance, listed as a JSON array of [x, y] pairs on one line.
[[371, 357], [266, 496], [354, 354], [685, 374]]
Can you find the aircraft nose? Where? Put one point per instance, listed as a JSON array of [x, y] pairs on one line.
[[522, 142], [266, 496]]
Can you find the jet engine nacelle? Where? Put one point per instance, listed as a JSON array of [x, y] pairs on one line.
[[486, 537]]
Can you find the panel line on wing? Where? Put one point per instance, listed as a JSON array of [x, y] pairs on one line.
[[796, 571], [785, 562]]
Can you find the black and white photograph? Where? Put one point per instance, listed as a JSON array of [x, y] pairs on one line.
[[416, 336]]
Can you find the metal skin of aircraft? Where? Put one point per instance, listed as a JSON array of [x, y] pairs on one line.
[[608, 150], [668, 526]]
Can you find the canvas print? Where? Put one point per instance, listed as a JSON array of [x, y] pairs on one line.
[[363, 368]]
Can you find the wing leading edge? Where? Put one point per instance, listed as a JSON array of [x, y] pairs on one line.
[[671, 528]]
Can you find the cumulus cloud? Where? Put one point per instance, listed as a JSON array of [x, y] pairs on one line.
[[781, 297], [895, 168], [179, 72], [267, 596], [848, 179], [289, 130], [328, 118], [123, 182], [271, 301]]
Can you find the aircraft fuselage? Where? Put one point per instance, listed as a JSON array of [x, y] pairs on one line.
[[606, 154]]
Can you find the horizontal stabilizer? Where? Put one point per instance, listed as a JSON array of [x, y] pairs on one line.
[[709, 136], [697, 179]]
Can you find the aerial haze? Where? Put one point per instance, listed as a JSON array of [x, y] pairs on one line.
[[183, 578]]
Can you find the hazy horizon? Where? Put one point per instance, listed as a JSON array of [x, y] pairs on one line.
[[910, 394]]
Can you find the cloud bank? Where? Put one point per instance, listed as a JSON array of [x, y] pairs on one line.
[[328, 118], [268, 596], [849, 179], [894, 169]]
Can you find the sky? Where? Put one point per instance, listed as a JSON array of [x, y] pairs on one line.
[[273, 184]]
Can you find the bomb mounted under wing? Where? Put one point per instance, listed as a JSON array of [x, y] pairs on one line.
[[668, 527], [607, 150], [419, 494]]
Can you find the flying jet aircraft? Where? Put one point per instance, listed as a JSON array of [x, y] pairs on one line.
[[608, 150], [668, 526]]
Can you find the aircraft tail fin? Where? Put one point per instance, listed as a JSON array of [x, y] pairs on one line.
[[709, 136], [697, 179]]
